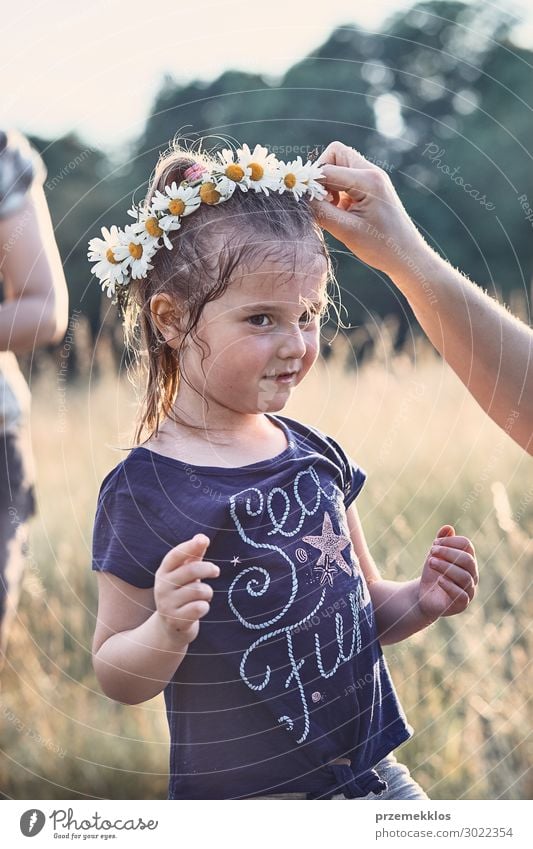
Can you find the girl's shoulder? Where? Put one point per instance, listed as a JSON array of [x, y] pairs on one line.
[[132, 474], [310, 437], [312, 441]]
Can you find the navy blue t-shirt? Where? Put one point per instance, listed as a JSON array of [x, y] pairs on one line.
[[286, 673]]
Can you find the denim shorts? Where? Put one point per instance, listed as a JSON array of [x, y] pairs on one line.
[[400, 785]]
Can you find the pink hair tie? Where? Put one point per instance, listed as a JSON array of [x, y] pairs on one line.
[[194, 171]]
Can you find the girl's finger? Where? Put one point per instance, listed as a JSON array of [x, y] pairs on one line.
[[190, 613], [189, 575], [462, 543], [190, 550], [455, 592], [454, 555], [197, 591], [457, 576]]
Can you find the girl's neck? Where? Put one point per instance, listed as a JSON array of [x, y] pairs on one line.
[[222, 430], [228, 448], [193, 417]]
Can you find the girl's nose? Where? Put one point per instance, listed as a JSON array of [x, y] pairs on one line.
[[292, 344]]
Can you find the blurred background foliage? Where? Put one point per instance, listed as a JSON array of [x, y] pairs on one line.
[[440, 92], [444, 75]]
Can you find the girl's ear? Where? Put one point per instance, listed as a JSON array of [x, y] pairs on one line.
[[166, 316]]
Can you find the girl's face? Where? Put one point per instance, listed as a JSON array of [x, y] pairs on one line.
[[261, 337]]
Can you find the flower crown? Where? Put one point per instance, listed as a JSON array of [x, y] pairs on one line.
[[125, 254]]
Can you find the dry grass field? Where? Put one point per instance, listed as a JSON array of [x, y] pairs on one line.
[[431, 456]]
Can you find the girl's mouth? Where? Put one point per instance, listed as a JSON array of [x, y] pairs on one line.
[[284, 377]]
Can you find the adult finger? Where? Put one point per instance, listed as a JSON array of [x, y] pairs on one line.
[[355, 182], [337, 153], [344, 226]]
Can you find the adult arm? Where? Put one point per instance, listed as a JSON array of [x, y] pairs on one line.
[[489, 349], [35, 309]]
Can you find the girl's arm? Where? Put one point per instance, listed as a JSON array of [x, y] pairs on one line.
[[134, 657], [446, 586], [35, 310], [142, 635]]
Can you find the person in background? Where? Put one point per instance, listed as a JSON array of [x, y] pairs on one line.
[[33, 312], [489, 349]]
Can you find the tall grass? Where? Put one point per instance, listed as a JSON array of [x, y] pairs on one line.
[[432, 458]]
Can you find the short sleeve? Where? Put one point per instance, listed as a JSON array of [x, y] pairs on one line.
[[355, 479], [353, 476], [129, 540], [20, 168]]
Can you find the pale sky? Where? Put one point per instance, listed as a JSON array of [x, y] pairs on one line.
[[95, 65]]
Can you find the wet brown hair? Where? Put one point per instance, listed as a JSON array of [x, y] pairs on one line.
[[211, 244]]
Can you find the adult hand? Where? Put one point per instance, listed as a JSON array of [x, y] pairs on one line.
[[365, 212]]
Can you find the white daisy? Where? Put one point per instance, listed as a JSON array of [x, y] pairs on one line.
[[109, 268], [135, 250], [233, 174], [146, 220], [315, 189], [175, 203], [262, 167], [226, 186], [293, 177], [211, 189]]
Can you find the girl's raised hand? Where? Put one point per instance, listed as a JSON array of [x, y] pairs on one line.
[[449, 577], [181, 598]]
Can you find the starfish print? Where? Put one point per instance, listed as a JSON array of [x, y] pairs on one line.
[[236, 560], [328, 571], [330, 545]]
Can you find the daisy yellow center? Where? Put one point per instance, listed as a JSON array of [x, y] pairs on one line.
[[257, 170], [209, 194], [152, 227], [289, 180], [234, 172], [110, 256], [136, 251], [176, 207]]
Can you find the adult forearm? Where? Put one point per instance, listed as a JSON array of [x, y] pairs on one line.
[[28, 323], [486, 346], [490, 350], [396, 609], [134, 666]]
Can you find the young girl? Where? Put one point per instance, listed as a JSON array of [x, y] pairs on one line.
[[233, 572]]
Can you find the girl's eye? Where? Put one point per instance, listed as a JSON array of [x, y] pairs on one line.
[[308, 318], [259, 320]]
